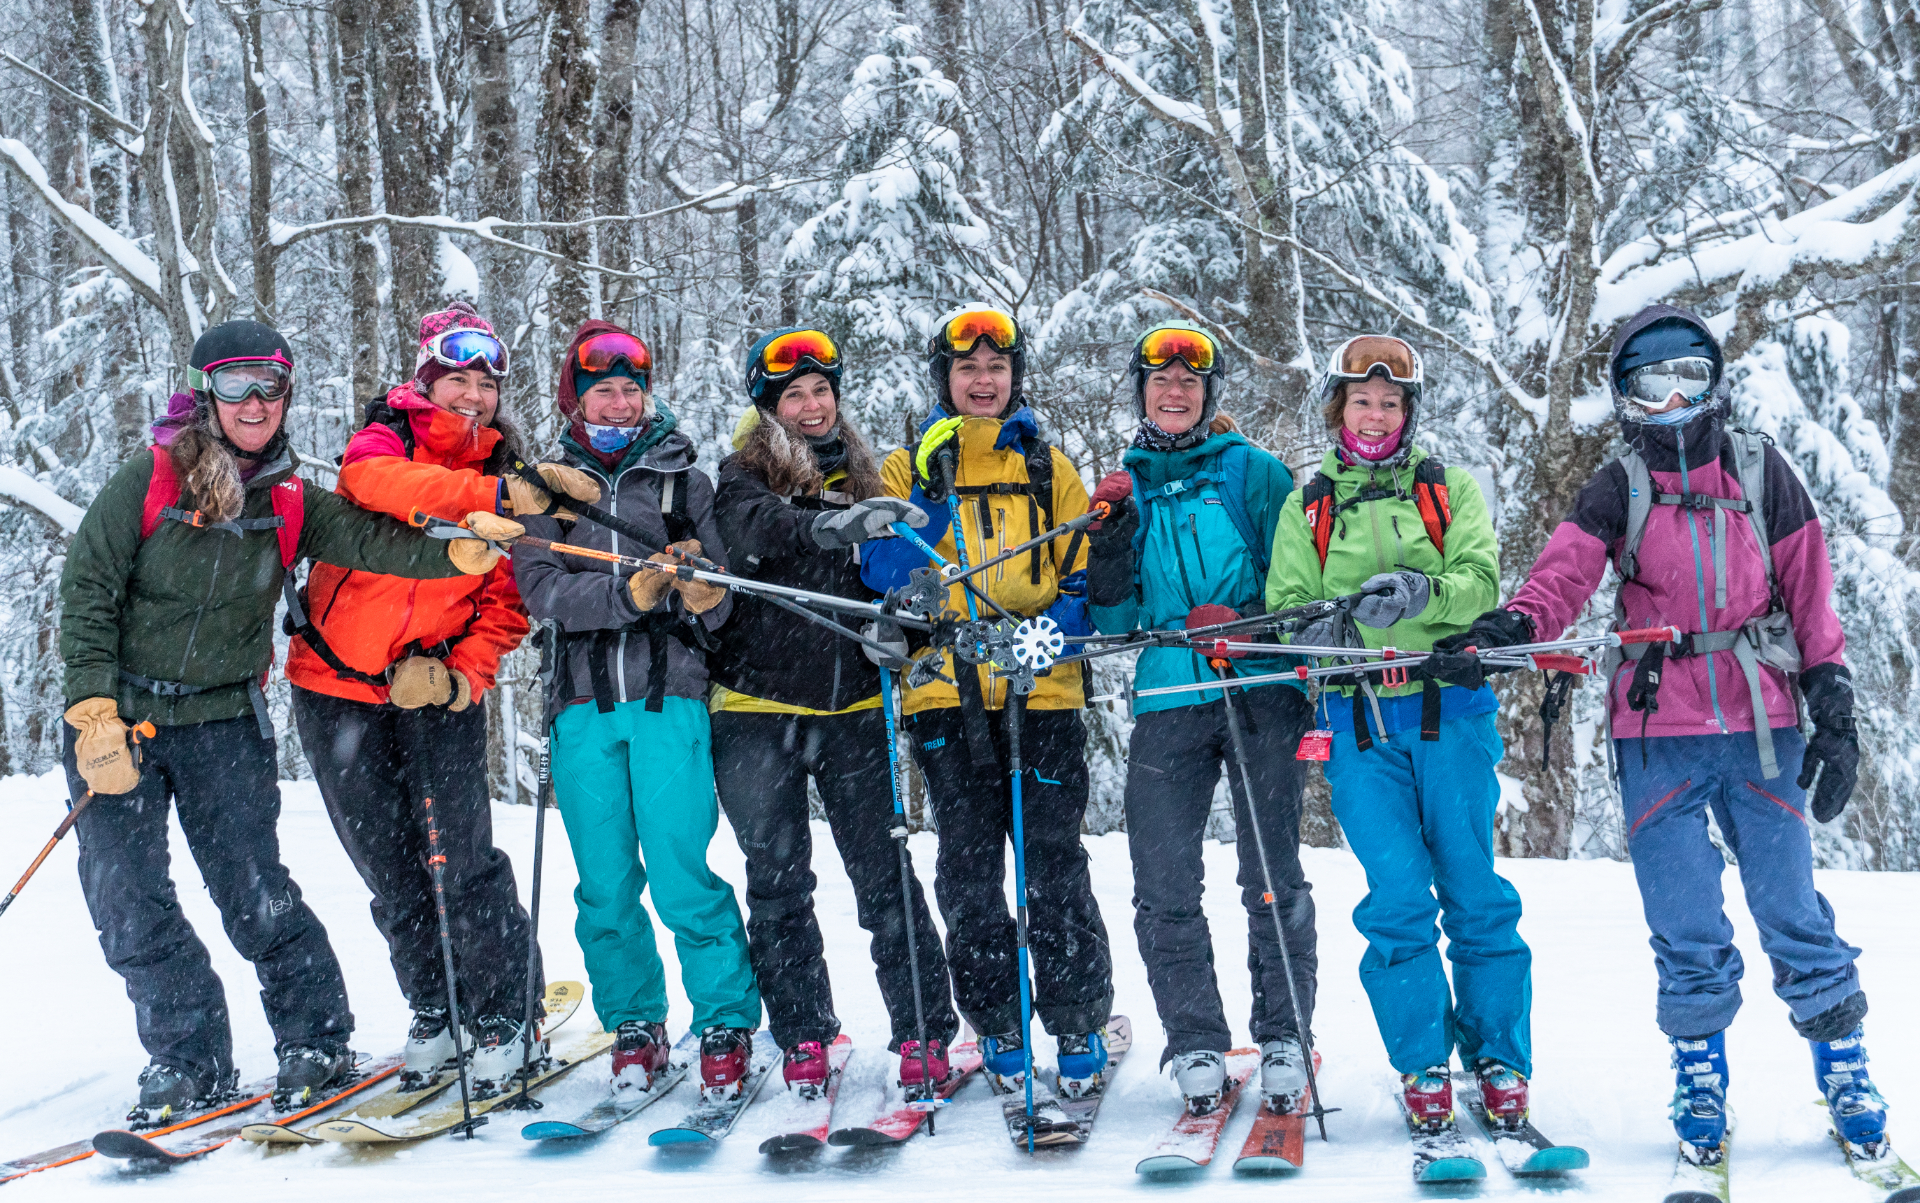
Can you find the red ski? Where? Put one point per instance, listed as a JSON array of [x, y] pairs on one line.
[[892, 1127], [1190, 1143], [1278, 1142], [806, 1121]]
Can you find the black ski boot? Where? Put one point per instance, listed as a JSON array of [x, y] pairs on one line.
[[167, 1091], [306, 1070]]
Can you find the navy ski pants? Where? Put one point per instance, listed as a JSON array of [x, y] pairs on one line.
[[1679, 869]]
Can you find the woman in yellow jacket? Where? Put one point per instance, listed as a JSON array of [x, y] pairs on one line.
[[984, 473]]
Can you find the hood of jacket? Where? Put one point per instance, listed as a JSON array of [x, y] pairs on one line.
[[1660, 444], [1160, 467], [659, 445]]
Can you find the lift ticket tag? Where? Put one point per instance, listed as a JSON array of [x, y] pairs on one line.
[[1315, 745]]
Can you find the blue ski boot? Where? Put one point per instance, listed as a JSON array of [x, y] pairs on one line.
[[1700, 1096], [1083, 1064], [1004, 1058], [1859, 1113]]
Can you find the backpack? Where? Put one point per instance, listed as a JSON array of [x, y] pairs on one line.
[[1429, 497], [1038, 490], [1229, 479], [163, 504]]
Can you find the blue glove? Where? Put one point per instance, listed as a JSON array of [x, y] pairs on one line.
[[1069, 610], [885, 563]]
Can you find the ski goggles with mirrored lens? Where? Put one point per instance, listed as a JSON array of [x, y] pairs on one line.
[[599, 353], [1358, 358], [1159, 347], [464, 347], [965, 329], [234, 380], [788, 352], [1653, 385]]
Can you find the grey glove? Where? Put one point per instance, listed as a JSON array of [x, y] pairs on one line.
[[1390, 597], [863, 520], [1321, 632], [887, 635]]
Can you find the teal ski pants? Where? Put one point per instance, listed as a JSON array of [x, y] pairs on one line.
[[636, 793], [1419, 816]]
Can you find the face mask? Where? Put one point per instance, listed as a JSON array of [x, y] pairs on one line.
[[609, 438], [1677, 417]]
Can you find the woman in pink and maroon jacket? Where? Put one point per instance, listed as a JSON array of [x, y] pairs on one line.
[[1689, 736]]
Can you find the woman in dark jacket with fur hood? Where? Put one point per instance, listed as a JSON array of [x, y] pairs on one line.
[[791, 701]]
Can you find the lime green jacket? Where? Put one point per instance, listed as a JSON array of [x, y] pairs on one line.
[[1385, 536]]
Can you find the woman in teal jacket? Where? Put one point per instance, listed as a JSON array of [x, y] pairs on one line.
[[1412, 766], [1194, 515]]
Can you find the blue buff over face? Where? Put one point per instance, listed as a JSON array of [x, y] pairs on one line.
[[1676, 417], [610, 438]]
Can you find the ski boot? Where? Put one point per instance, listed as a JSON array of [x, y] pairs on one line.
[[1283, 1074], [917, 1084], [306, 1070], [1083, 1064], [168, 1090], [806, 1069], [1428, 1097], [1504, 1094], [639, 1055], [1700, 1097], [1859, 1113], [429, 1049], [1004, 1059], [499, 1050], [1201, 1076], [725, 1055]]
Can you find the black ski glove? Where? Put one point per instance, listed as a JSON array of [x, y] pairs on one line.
[[1110, 555], [1495, 628], [1835, 744]]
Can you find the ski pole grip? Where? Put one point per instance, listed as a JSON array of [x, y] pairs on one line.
[[1650, 635], [1557, 662]]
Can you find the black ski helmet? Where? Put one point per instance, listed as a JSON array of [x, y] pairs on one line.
[[941, 353], [241, 339], [759, 379]]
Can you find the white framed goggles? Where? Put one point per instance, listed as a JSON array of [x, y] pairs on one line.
[[1654, 385]]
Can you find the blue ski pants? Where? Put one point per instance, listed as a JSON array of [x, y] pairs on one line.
[[635, 789], [1679, 871], [1419, 816]]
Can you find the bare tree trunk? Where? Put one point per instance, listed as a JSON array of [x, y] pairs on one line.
[[496, 137], [354, 168], [247, 24], [567, 79], [93, 47], [613, 144], [411, 114]]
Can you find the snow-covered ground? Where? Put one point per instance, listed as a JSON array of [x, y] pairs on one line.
[[1601, 1075]]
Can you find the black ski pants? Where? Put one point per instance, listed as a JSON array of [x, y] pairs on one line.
[[1173, 763], [376, 764], [223, 779], [973, 808], [761, 763]]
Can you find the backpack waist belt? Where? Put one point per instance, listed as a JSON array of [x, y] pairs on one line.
[[180, 689], [1766, 640]]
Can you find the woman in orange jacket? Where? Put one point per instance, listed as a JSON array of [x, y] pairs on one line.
[[385, 675]]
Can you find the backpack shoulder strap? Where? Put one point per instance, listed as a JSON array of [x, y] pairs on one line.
[[1750, 461], [1316, 499], [1430, 498], [290, 506], [163, 493], [1233, 495], [673, 507], [1639, 508]]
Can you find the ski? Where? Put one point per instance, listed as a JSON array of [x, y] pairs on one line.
[[805, 1120], [252, 1095], [562, 1000], [449, 1114], [1190, 1142], [1058, 1121], [621, 1105], [1277, 1143], [1440, 1156], [1883, 1171], [132, 1146], [1696, 1183], [707, 1122], [897, 1124], [1527, 1153]]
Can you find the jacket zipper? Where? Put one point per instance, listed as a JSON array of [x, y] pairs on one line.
[[1379, 538], [1700, 583], [1180, 557], [620, 648], [213, 579], [1199, 554]]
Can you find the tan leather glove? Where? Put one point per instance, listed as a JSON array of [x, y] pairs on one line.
[[528, 498], [423, 681], [474, 557], [698, 596], [648, 587], [101, 751]]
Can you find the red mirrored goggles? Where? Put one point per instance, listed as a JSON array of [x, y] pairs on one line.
[[599, 353], [1192, 347], [789, 351], [964, 330]]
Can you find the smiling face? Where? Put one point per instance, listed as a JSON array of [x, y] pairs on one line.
[[981, 383], [615, 401], [1174, 396], [251, 424], [1376, 407], [807, 405], [470, 392]]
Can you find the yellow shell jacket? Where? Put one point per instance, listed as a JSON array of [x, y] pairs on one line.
[[990, 523]]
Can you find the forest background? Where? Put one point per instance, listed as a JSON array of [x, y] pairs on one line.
[[1499, 181]]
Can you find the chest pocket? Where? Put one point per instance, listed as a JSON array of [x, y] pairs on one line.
[[1205, 558]]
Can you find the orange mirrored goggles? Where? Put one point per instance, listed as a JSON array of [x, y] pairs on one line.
[[963, 330], [1159, 347], [603, 350], [1358, 357], [789, 351]]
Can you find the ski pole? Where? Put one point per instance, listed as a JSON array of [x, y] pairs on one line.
[[1319, 1112], [966, 584], [140, 729], [534, 1010], [1099, 511], [899, 834], [1016, 707], [437, 861]]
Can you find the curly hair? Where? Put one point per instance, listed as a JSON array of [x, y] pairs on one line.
[[784, 459]]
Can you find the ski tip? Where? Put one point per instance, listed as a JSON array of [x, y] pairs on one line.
[[1692, 1196], [552, 1129], [1263, 1164], [123, 1145], [1906, 1194], [789, 1142], [1452, 1169], [275, 1134], [859, 1138], [1559, 1159], [679, 1136], [1167, 1163]]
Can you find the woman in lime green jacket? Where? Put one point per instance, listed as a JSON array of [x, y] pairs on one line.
[[1412, 766]]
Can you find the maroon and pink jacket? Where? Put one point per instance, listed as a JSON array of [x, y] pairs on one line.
[[1699, 695]]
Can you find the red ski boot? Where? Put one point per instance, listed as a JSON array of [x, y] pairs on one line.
[[806, 1069], [725, 1054], [639, 1055], [1429, 1099], [1505, 1094], [910, 1067]]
